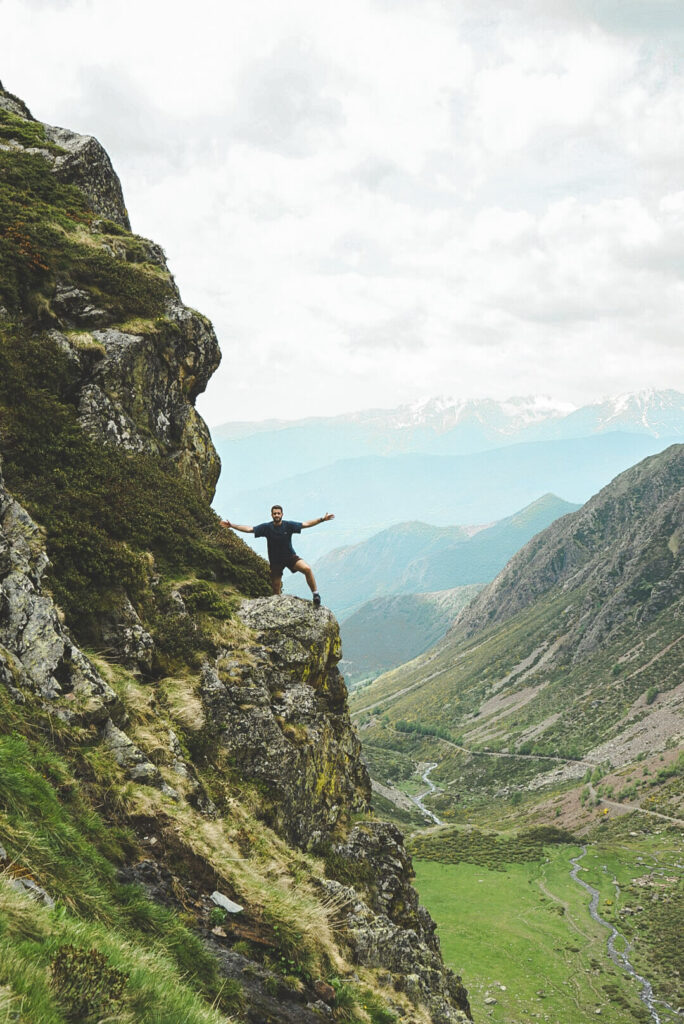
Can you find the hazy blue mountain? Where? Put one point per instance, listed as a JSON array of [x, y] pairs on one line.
[[414, 558], [276, 449], [369, 494], [389, 631], [377, 566]]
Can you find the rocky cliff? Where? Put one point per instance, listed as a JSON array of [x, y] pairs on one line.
[[179, 734]]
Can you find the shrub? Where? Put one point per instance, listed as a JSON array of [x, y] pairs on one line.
[[86, 985]]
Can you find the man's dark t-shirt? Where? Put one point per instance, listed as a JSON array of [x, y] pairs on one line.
[[279, 541]]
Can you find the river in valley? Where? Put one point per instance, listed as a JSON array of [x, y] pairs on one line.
[[620, 959], [418, 799]]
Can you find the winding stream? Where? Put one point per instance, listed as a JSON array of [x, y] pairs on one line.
[[621, 960], [418, 799]]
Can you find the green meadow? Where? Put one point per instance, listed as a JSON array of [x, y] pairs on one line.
[[521, 935]]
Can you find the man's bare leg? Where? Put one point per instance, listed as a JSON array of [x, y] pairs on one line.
[[301, 566], [276, 583]]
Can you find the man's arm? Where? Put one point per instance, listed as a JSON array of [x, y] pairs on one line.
[[321, 519], [234, 526]]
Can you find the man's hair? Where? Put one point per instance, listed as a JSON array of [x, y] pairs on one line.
[[273, 507]]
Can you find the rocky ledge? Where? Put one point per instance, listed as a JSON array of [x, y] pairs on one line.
[[385, 925], [279, 705]]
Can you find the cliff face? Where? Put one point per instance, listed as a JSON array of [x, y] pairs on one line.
[[36, 652], [296, 740], [206, 724], [140, 356]]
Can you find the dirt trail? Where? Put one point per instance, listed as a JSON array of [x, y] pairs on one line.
[[632, 807]]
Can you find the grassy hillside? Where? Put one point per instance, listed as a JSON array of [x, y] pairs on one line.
[[584, 661], [388, 631], [553, 709]]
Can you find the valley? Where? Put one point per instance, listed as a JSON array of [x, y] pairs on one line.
[[551, 960], [551, 719]]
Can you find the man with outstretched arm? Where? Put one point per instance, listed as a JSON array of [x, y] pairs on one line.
[[281, 554]]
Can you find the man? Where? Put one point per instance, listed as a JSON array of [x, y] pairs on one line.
[[281, 554]]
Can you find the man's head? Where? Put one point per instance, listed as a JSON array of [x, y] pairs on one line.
[[277, 513]]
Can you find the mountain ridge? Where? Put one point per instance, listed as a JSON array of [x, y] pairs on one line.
[[444, 413], [418, 558], [369, 494], [556, 655]]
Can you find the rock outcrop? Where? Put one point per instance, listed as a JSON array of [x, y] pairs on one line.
[[77, 160], [281, 712], [387, 927], [36, 653], [142, 356]]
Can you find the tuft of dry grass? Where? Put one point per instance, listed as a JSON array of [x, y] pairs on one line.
[[183, 701]]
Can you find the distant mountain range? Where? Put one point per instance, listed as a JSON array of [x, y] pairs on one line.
[[370, 493], [573, 652], [276, 449]]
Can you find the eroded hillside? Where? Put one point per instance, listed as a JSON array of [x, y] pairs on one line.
[[570, 660], [184, 822]]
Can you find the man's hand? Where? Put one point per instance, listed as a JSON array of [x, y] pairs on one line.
[[321, 519], [224, 522]]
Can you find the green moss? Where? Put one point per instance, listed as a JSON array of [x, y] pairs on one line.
[[32, 202], [104, 510], [39, 242], [27, 133]]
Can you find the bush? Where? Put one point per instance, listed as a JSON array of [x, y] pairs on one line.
[[86, 985]]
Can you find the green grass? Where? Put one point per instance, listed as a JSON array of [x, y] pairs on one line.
[[648, 905], [526, 928], [574, 706], [52, 834], [155, 990]]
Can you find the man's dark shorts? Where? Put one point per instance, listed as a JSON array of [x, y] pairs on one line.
[[277, 568]]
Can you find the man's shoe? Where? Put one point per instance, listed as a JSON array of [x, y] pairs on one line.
[[317, 600]]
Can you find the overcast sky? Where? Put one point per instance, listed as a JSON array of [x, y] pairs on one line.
[[381, 200]]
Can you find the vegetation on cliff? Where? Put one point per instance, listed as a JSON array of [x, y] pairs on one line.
[[159, 747]]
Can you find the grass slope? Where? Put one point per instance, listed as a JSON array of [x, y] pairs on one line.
[[388, 631], [524, 930]]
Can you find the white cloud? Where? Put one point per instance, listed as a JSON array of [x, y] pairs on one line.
[[388, 199]]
